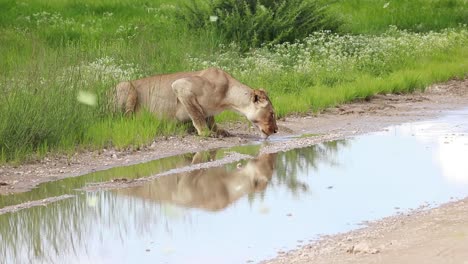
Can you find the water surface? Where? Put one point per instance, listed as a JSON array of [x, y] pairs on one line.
[[250, 209]]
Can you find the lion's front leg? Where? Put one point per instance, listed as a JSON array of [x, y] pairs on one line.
[[219, 132], [183, 90], [196, 114]]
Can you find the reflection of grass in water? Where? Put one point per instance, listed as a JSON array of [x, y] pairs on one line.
[[42, 229], [68, 185], [64, 229], [44, 232], [290, 163], [247, 149]]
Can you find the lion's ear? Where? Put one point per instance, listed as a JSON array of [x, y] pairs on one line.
[[256, 98], [259, 97]]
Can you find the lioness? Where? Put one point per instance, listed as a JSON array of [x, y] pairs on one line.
[[198, 96], [210, 189]]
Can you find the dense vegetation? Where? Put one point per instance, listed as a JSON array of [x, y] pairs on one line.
[[251, 23], [59, 59]]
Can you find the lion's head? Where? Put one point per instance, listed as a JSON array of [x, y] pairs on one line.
[[262, 114], [261, 170]]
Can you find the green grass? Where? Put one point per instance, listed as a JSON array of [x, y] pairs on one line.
[[135, 131], [51, 51], [310, 135], [374, 16]]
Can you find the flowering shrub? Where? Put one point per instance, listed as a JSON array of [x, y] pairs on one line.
[[45, 18], [324, 53], [103, 70]]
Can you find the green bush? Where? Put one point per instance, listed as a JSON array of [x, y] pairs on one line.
[[250, 23]]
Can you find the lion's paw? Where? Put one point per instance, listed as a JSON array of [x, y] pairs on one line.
[[221, 133]]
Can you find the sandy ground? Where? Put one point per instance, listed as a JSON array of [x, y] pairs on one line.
[[437, 235]]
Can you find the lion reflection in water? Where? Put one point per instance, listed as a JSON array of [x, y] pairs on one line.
[[209, 189]]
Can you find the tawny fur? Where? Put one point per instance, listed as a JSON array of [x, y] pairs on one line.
[[197, 96], [211, 189]]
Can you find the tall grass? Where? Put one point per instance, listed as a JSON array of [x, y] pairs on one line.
[[134, 131], [51, 52]]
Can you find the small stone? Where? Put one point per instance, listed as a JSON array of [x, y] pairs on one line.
[[120, 180], [3, 184], [362, 247]]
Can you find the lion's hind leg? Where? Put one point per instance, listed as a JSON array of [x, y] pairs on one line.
[[127, 97]]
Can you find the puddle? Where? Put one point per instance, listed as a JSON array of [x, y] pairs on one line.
[[69, 185], [248, 210]]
